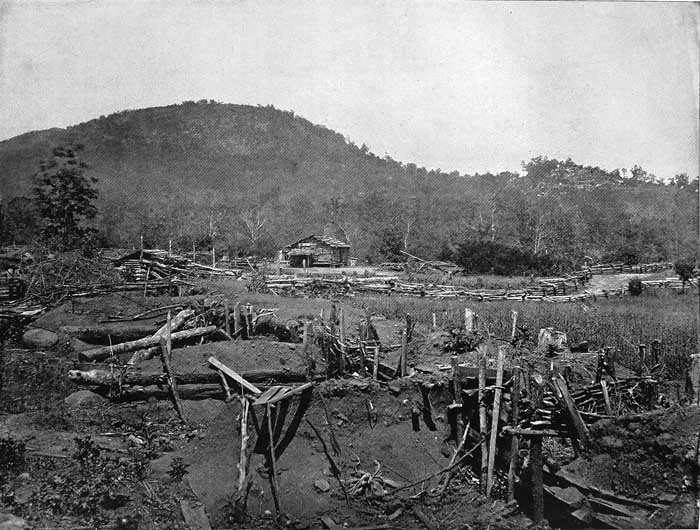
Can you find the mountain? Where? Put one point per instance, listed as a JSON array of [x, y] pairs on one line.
[[250, 179]]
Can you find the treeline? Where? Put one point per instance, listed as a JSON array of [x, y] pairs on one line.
[[249, 180]]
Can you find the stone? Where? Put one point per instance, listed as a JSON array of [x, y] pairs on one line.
[[611, 442], [11, 522], [83, 399], [571, 496], [39, 338], [322, 485]]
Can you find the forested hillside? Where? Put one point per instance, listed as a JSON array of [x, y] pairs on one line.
[[250, 179]]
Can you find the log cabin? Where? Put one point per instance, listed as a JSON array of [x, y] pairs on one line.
[[317, 251]]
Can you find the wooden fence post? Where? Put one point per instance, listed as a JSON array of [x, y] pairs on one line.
[[404, 353], [227, 322], [456, 383], [481, 361], [514, 443], [494, 418]]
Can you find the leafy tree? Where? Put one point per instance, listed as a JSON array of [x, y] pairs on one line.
[[64, 197], [685, 271]]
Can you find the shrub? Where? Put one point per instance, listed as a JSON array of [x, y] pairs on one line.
[[635, 287]]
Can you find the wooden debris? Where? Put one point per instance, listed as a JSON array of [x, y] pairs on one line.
[[194, 515], [495, 418], [514, 444], [130, 377], [98, 354], [234, 375], [172, 383], [481, 360]]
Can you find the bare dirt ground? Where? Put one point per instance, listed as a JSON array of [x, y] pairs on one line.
[[141, 462]]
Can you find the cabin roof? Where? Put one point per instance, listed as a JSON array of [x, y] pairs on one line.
[[330, 241]]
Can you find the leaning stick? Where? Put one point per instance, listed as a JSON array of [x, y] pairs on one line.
[[482, 415], [165, 344], [273, 462], [494, 419]]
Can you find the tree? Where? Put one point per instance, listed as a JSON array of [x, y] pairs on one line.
[[685, 272], [64, 197]]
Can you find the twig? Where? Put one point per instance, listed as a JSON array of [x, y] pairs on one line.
[[334, 468], [440, 472]]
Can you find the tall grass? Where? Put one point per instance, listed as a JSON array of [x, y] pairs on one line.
[[622, 323]]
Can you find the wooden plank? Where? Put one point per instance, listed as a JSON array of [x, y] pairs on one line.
[[285, 393], [606, 396], [481, 359], [514, 444], [577, 422], [530, 433], [495, 417], [233, 375], [194, 515], [165, 358]]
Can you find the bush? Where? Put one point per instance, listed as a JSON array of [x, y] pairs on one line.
[[635, 287], [482, 257]]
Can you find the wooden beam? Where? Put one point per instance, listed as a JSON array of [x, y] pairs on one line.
[[481, 359], [577, 422], [233, 375], [494, 418]]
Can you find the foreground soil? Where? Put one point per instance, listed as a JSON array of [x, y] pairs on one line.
[[87, 462]]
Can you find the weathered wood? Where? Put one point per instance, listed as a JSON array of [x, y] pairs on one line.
[[278, 393], [481, 360], [234, 375], [224, 385], [536, 476], [177, 322], [456, 383], [273, 472], [172, 383], [227, 322], [495, 417], [237, 318], [404, 354], [97, 354], [606, 396], [577, 423], [469, 320], [109, 378], [375, 363], [528, 433], [514, 443], [194, 515]]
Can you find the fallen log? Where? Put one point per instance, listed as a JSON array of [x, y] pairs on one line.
[[177, 322], [107, 334], [97, 354], [137, 378]]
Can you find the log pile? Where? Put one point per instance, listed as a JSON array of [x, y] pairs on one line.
[[347, 286], [547, 290], [154, 264]]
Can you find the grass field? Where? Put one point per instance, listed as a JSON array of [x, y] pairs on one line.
[[622, 323]]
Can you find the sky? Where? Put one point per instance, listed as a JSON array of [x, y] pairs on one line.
[[465, 86]]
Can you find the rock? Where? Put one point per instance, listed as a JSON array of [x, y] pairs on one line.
[[611, 442], [322, 485], [83, 399], [39, 338], [11, 522], [570, 496]]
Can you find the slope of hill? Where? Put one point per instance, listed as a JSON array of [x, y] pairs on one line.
[[249, 179]]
